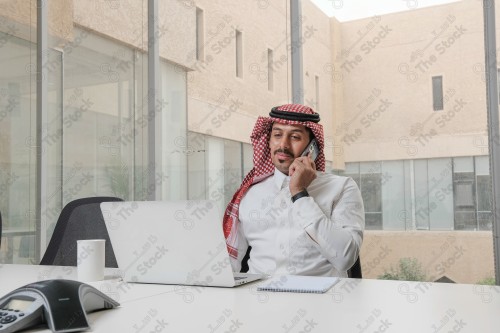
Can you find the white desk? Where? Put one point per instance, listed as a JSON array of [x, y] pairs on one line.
[[358, 306]]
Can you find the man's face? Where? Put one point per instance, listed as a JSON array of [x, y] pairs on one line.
[[286, 143]]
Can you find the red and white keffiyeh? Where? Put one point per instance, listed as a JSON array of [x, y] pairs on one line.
[[264, 167]]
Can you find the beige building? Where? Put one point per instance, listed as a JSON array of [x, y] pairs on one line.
[[414, 136], [401, 97], [263, 78], [395, 62]]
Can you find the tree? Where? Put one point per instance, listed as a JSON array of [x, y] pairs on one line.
[[409, 269]]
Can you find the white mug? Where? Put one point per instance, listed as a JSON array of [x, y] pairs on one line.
[[90, 259]]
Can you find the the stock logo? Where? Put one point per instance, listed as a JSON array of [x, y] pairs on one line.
[[84, 254], [151, 261], [220, 265]]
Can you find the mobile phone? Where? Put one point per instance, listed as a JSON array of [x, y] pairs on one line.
[[311, 148]]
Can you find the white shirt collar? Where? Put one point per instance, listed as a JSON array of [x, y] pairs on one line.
[[279, 178]]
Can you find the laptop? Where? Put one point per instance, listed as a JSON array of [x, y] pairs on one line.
[[171, 242]]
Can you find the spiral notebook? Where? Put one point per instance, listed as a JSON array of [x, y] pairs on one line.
[[299, 284]]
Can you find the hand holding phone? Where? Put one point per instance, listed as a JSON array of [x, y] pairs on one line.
[[300, 172], [312, 150]]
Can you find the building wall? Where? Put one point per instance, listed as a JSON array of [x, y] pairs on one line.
[[464, 257], [19, 18], [227, 106], [317, 50], [398, 66], [332, 69], [127, 22], [220, 103], [387, 68]]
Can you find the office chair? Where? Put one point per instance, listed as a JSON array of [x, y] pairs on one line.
[[355, 270], [79, 219], [244, 261]]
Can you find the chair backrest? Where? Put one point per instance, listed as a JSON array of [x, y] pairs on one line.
[[355, 270], [79, 219], [244, 261]]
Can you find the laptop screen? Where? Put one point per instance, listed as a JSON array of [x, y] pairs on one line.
[[170, 242]]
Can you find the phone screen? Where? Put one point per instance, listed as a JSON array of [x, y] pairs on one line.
[[311, 148]]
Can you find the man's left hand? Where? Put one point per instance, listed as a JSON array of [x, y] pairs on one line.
[[302, 172]]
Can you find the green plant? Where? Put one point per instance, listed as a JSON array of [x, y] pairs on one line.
[[409, 269], [118, 178], [120, 184], [490, 281]]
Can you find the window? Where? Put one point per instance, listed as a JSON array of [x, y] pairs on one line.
[[270, 71], [437, 93], [94, 140], [239, 54], [425, 194], [17, 148], [216, 167], [369, 179], [200, 35], [484, 214], [464, 188], [371, 191], [465, 205], [316, 89], [483, 193], [498, 84]]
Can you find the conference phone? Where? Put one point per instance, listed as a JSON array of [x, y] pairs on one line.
[[60, 304]]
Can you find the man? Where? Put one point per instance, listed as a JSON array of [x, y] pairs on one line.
[[298, 220]]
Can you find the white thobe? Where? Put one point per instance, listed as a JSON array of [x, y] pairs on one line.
[[317, 235]]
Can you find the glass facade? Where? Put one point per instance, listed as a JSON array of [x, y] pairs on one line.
[[216, 167], [17, 153], [94, 143], [425, 194]]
